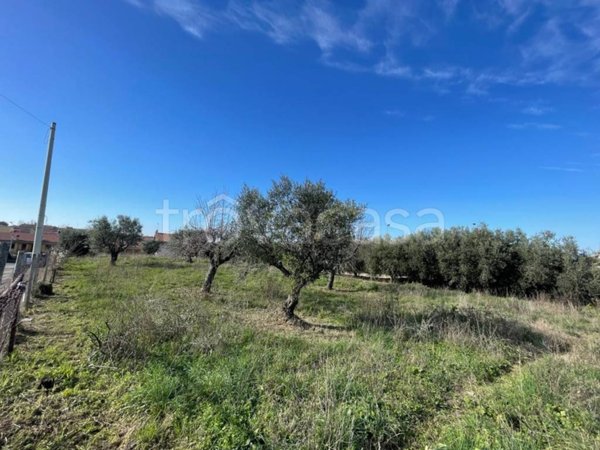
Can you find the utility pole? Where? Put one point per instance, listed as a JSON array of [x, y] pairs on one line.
[[39, 226]]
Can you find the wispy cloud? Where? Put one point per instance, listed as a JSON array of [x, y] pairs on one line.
[[561, 46], [138, 3], [193, 17], [562, 169], [582, 134], [394, 113], [536, 110], [534, 126]]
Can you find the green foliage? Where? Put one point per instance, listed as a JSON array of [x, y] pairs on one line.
[[187, 242], [539, 406], [498, 262], [74, 242], [115, 237], [151, 247], [140, 327], [300, 228], [216, 240], [390, 366]]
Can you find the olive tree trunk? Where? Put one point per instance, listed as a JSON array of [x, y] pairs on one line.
[[331, 279], [210, 276], [113, 258], [292, 300]]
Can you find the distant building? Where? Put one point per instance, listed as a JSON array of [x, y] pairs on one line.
[[20, 238], [162, 237], [139, 247], [158, 237], [6, 235]]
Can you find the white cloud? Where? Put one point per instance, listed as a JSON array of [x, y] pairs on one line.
[[536, 110], [389, 67], [534, 126], [448, 6], [256, 18], [323, 27], [192, 16], [561, 46], [137, 3], [394, 113], [562, 169]]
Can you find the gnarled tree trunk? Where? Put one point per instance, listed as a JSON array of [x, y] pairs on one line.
[[113, 258], [210, 276], [291, 302], [331, 279]]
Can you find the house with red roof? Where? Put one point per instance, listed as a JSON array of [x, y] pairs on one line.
[[20, 238]]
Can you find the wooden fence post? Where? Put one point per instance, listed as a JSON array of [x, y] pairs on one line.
[[19, 264], [9, 314], [46, 264], [3, 258], [55, 262]]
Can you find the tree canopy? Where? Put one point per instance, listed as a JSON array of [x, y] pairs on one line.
[[74, 242], [115, 236], [299, 228]]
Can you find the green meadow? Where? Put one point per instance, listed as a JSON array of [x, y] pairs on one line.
[[135, 356]]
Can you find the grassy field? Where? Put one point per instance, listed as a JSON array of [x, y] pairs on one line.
[[133, 356]]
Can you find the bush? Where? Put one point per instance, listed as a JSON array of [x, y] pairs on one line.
[[479, 259], [44, 289], [140, 329], [74, 242], [151, 247]]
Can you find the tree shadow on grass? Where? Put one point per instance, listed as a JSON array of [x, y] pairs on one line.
[[347, 290], [161, 264], [335, 303], [463, 324], [306, 325]]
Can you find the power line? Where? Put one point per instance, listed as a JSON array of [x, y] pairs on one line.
[[46, 124]]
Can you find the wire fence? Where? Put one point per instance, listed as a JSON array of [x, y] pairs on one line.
[[11, 296], [10, 300]]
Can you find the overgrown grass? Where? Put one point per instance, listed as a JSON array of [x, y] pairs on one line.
[[138, 357]]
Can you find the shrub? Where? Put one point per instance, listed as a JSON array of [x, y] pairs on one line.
[[141, 328], [74, 242], [498, 262], [151, 247]]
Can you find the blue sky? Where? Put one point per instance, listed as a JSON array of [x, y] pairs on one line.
[[485, 110]]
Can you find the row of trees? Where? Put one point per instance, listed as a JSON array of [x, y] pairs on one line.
[[113, 237], [303, 230], [494, 261]]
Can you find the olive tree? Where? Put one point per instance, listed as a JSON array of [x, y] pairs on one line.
[[299, 228], [187, 242], [115, 236], [345, 258], [218, 225], [74, 242]]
